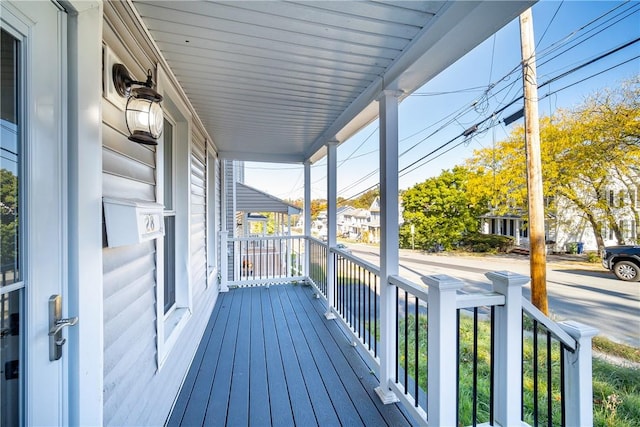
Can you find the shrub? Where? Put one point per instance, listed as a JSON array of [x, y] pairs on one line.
[[593, 257], [477, 242]]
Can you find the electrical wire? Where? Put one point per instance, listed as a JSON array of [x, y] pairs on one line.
[[407, 169], [490, 92], [544, 33]]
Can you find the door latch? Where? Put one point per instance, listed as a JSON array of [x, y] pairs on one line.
[[57, 324]]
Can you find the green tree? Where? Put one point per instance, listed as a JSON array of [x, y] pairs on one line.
[[8, 217], [441, 210], [363, 201]]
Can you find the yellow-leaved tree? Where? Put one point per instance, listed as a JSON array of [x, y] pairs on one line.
[[584, 150]]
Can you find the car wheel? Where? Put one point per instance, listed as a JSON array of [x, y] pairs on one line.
[[627, 270]]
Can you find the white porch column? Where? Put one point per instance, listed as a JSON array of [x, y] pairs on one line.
[[332, 195], [577, 375], [441, 349], [508, 347], [307, 215], [224, 261], [389, 242]]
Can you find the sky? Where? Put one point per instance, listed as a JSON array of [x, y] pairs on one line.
[[571, 37]]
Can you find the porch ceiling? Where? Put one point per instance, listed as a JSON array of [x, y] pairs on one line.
[[275, 81]]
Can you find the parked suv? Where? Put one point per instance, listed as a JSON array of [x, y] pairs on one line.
[[624, 261]]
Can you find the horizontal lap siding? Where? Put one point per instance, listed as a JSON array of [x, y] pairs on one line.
[[230, 212], [137, 391], [129, 277], [218, 201], [198, 243]]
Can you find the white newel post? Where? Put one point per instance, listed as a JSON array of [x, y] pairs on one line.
[[389, 245], [332, 195], [441, 349], [577, 375], [508, 348], [224, 261]]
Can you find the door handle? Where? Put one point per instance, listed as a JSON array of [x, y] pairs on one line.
[[61, 323], [57, 324]]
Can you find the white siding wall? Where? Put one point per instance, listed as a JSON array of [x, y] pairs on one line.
[[137, 391], [219, 193], [198, 215], [230, 210], [129, 276]]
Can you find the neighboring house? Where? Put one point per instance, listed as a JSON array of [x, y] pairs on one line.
[[362, 223], [342, 225], [505, 225], [121, 239], [373, 226], [567, 226], [252, 204], [570, 225], [355, 221], [343, 221]]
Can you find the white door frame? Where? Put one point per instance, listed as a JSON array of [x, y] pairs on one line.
[[41, 31], [62, 124], [85, 282]]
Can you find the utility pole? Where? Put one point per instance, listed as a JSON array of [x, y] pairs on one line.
[[538, 261]]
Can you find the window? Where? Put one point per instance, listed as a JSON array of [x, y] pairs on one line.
[[621, 198], [169, 220], [628, 229], [173, 290], [12, 286], [611, 198]]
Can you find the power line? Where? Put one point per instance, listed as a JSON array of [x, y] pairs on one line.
[[483, 101], [489, 92], [544, 33], [404, 170], [499, 111]]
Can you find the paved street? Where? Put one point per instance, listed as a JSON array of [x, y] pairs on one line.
[[577, 291]]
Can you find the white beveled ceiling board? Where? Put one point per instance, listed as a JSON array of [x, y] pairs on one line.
[[274, 81]]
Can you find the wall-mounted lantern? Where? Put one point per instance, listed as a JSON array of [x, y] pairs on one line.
[[143, 113]]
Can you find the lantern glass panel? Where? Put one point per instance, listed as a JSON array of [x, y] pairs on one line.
[[144, 116]]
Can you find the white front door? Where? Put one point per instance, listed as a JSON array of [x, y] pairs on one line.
[[33, 211]]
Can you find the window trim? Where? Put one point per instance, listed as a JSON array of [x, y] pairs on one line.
[[170, 325], [168, 212], [212, 216]]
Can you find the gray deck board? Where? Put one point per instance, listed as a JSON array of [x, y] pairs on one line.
[[270, 358], [281, 412], [259, 408]]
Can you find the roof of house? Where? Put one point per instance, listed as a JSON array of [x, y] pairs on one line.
[[249, 199]]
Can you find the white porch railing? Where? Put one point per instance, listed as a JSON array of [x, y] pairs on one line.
[[263, 260], [470, 351]]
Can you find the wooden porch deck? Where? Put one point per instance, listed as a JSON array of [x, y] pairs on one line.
[[270, 358]]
